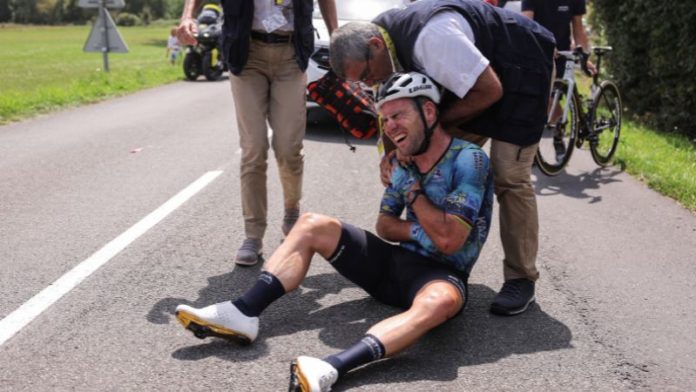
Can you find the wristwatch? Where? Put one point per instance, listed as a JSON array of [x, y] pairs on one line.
[[413, 195]]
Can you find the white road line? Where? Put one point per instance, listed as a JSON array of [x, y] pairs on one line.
[[18, 319]]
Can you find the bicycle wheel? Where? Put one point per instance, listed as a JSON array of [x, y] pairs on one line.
[[558, 137], [606, 123]]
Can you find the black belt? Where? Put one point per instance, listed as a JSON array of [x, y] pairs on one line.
[[270, 38]]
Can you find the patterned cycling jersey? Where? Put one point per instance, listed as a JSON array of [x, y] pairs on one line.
[[461, 184]]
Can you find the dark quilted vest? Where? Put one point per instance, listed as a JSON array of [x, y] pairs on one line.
[[236, 32]]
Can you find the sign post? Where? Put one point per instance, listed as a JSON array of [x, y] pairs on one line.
[[104, 36]]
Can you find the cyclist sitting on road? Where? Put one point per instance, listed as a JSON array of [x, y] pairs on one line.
[[495, 66], [447, 192]]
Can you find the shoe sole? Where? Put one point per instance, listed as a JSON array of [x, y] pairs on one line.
[[202, 329], [298, 382], [513, 312]]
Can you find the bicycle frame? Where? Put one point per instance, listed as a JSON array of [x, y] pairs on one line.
[[584, 106], [586, 119]]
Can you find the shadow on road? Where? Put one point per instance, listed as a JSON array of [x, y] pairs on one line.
[[576, 186], [474, 337]]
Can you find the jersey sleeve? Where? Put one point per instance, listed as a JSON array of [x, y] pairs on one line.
[[470, 176], [394, 197]]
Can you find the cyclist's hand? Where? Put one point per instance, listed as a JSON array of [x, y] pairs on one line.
[[186, 32]]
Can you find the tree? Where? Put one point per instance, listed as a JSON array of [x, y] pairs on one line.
[[5, 13], [22, 10], [654, 58]]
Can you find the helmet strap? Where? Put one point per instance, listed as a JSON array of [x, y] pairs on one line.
[[428, 130]]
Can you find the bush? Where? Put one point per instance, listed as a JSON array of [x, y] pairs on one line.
[[127, 19], [654, 59]]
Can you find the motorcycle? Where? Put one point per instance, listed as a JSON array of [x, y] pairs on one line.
[[205, 57]]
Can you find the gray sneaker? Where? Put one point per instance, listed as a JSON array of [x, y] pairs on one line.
[[291, 216], [514, 297], [249, 253]]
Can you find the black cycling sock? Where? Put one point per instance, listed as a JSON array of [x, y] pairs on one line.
[[266, 290], [368, 349]]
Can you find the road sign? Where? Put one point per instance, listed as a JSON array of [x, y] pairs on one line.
[[97, 3], [104, 36]]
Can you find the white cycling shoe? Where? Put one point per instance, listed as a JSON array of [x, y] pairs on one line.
[[222, 320], [309, 374]]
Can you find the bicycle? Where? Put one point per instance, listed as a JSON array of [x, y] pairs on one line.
[[596, 120]]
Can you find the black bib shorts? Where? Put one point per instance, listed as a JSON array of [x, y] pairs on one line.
[[389, 273]]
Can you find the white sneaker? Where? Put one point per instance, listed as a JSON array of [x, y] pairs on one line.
[[309, 374], [222, 320]]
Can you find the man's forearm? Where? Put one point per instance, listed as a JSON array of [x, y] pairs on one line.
[[190, 7], [485, 92], [464, 109], [580, 35], [328, 12]]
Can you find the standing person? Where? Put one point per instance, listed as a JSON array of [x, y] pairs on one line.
[[447, 192], [266, 45], [496, 66], [172, 46], [561, 17]]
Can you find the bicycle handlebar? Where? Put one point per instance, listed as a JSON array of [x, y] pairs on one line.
[[578, 56]]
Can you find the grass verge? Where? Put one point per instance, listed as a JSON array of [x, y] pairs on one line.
[[665, 162], [44, 67]]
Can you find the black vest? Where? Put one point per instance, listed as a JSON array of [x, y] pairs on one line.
[[520, 51], [236, 32]]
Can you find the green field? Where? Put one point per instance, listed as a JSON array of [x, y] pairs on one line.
[[44, 68]]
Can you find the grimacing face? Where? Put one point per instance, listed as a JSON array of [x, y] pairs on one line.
[[403, 125]]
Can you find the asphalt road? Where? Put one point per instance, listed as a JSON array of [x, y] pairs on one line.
[[616, 300]]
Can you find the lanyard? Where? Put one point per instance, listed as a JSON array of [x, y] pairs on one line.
[[396, 66]]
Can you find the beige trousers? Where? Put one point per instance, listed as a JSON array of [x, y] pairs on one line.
[[519, 219], [271, 87]]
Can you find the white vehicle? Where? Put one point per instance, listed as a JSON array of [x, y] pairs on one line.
[[348, 11]]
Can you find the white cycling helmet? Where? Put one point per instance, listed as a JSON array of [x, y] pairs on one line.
[[406, 85]]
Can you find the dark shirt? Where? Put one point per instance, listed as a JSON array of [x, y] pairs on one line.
[[556, 16]]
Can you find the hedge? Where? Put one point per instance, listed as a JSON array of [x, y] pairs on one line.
[[654, 58]]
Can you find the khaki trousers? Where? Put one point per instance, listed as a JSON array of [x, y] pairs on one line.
[[519, 219], [271, 87]]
